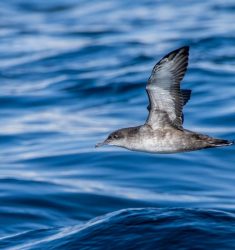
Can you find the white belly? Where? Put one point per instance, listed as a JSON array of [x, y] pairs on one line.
[[158, 143]]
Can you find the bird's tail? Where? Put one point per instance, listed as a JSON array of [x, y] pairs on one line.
[[221, 142]]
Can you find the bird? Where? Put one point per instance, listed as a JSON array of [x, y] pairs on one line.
[[163, 130]]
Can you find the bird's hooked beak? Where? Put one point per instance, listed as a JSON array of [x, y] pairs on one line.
[[102, 143]]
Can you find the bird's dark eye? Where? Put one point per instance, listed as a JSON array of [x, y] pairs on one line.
[[113, 136]]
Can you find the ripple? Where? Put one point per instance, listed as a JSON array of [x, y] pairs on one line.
[[138, 228], [72, 72]]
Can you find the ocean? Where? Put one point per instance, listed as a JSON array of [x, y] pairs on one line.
[[71, 72]]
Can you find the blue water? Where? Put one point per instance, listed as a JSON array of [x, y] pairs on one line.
[[71, 72]]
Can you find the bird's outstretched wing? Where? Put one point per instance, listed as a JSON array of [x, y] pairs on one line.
[[166, 99]]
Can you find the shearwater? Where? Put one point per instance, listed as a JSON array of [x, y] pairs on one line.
[[163, 130]]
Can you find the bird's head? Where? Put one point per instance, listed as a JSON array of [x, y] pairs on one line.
[[116, 138]]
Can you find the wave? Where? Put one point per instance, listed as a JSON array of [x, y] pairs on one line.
[[143, 228]]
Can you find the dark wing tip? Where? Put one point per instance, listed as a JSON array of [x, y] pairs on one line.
[[181, 53], [183, 50]]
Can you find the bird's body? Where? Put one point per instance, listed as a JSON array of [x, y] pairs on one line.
[[168, 140], [163, 130]]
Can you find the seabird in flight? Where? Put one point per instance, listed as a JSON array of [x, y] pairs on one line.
[[163, 130]]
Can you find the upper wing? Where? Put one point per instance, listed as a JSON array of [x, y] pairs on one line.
[[166, 100]]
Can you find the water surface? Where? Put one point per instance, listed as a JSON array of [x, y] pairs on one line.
[[73, 71]]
